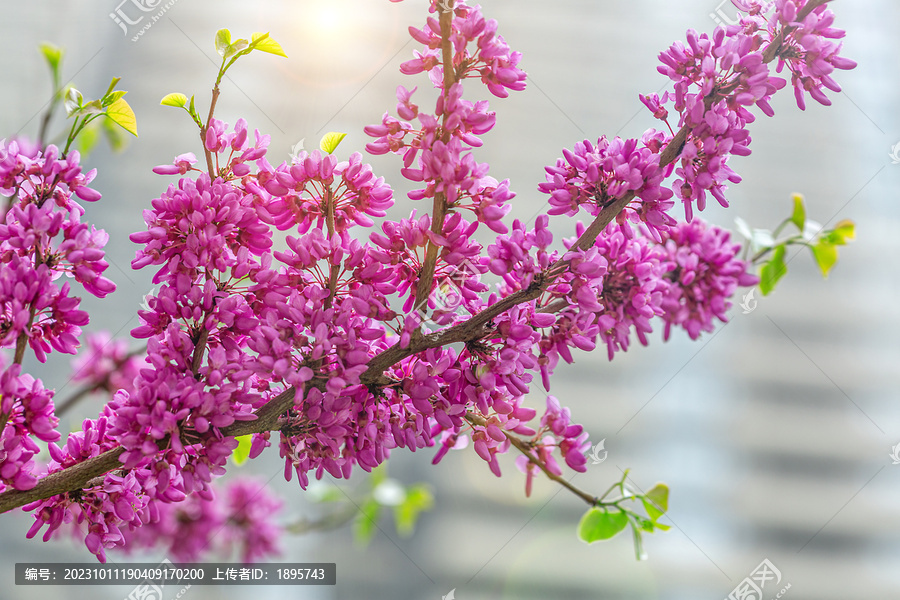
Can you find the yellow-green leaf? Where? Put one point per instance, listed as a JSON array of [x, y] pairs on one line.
[[121, 114], [331, 140], [846, 230], [798, 218], [826, 256], [242, 452], [601, 524], [266, 44], [418, 499], [772, 271], [53, 55], [656, 501], [112, 85], [177, 100], [223, 41]]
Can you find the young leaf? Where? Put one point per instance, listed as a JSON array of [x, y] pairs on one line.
[[53, 56], [799, 216], [656, 501], [242, 452], [120, 113], [844, 231], [331, 140], [112, 86], [223, 41], [418, 500], [826, 255], [237, 47], [175, 99], [262, 41], [112, 97], [772, 271], [74, 100], [601, 524], [193, 112], [94, 107]]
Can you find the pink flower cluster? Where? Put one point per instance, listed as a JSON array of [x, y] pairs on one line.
[[30, 409], [703, 273], [594, 176], [717, 77], [557, 432], [41, 238]]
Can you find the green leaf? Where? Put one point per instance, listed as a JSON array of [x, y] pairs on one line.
[[242, 452], [237, 47], [644, 523], [366, 522], [826, 255], [94, 107], [175, 99], [120, 113], [601, 524], [53, 55], [418, 500], [74, 100], [331, 140], [223, 41], [112, 97], [262, 41], [112, 86], [193, 112], [844, 231], [799, 216], [656, 501], [772, 271]]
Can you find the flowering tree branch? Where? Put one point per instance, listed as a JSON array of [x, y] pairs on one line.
[[439, 209], [246, 339]]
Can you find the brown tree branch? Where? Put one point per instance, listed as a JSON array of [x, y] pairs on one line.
[[439, 210]]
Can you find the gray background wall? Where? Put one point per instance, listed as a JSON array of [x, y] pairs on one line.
[[773, 434]]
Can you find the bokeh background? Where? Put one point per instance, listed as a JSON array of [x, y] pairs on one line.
[[774, 433]]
